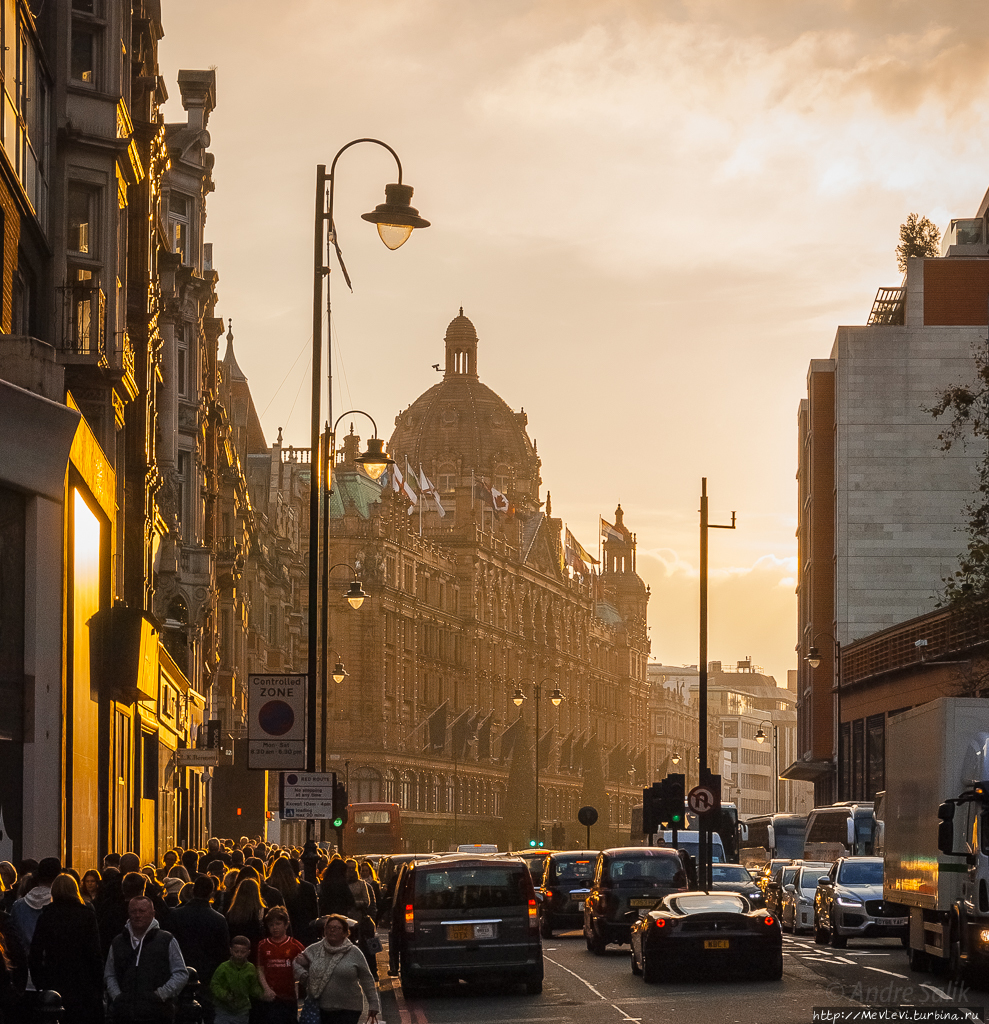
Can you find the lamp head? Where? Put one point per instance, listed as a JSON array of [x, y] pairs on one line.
[[355, 595], [339, 672], [395, 217], [518, 697], [375, 460], [676, 757], [760, 736], [814, 657], [556, 697]]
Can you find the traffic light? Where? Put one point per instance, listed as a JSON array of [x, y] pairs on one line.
[[535, 839], [676, 797], [340, 802]]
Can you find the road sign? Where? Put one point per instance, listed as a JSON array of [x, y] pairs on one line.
[[701, 799], [306, 794], [276, 732], [204, 758]]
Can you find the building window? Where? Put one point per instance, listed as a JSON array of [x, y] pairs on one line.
[[85, 313], [184, 467], [80, 236], [182, 366], [875, 737], [178, 225]]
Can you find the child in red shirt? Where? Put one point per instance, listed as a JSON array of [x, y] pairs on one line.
[[275, 956]]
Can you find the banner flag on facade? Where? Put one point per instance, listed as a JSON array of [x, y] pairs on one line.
[[484, 737], [509, 738], [608, 532], [436, 727], [426, 489], [460, 735], [545, 746]]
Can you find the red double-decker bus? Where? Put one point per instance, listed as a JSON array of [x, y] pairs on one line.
[[372, 828]]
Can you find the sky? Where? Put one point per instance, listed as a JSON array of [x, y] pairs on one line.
[[655, 213]]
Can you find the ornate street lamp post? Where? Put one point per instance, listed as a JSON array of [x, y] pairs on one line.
[[556, 698]]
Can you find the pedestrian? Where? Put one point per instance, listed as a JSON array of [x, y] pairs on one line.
[[337, 976], [11, 1010], [275, 956], [115, 909], [90, 888], [202, 936], [245, 916], [370, 879], [25, 912], [235, 984], [8, 885], [298, 898], [335, 895], [65, 953], [144, 971]]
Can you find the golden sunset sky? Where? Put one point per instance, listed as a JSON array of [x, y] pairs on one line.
[[655, 214]]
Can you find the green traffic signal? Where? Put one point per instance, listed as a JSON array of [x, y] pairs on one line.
[[532, 842], [338, 822]]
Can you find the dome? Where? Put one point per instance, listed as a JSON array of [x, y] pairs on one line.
[[460, 427]]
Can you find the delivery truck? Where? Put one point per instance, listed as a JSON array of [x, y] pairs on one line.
[[936, 832]]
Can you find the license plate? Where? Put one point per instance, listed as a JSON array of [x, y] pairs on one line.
[[642, 903], [894, 922], [715, 943], [467, 932], [580, 904]]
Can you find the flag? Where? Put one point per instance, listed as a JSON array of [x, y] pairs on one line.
[[400, 485], [545, 748], [427, 490], [575, 556], [498, 500], [508, 739], [437, 727], [484, 738], [460, 735], [407, 488], [608, 532]]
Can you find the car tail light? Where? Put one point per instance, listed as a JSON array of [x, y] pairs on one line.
[[659, 922], [533, 914], [410, 918], [548, 896], [769, 920]]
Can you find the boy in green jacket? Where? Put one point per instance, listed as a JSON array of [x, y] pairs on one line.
[[235, 983]]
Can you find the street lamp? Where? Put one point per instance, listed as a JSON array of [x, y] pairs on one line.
[[556, 698], [676, 757], [760, 737], [395, 219]]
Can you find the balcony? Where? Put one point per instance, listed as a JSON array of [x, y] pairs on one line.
[[83, 333]]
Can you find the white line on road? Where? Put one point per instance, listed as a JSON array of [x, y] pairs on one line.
[[879, 970], [625, 1016], [937, 992], [577, 976]]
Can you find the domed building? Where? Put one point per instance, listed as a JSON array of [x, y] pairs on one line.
[[476, 608]]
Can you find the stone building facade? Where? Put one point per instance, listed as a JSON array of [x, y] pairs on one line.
[[467, 606], [881, 508]]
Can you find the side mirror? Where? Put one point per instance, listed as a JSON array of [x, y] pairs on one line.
[[789, 888], [850, 833], [946, 828], [824, 880]]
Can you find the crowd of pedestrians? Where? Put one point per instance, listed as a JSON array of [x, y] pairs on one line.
[[117, 943]]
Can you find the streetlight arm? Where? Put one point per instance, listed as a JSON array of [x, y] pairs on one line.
[[352, 412], [332, 178]]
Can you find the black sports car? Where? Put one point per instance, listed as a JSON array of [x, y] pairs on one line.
[[714, 933]]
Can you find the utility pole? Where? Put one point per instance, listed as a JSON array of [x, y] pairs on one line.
[[704, 846]]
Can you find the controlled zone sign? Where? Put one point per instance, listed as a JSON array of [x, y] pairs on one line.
[[276, 731], [306, 794]]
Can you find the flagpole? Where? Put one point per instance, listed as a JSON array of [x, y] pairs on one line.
[[600, 552], [420, 499]]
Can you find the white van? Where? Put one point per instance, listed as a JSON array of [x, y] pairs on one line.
[[690, 841]]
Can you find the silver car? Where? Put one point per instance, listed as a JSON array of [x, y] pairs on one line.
[[849, 904], [797, 905]]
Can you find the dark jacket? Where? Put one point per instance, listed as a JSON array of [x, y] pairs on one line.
[[302, 908], [65, 956], [202, 936], [139, 977]]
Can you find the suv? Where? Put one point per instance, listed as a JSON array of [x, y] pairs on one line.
[[849, 904], [388, 872], [565, 884], [465, 917], [625, 879]]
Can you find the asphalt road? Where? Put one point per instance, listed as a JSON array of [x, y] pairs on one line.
[[584, 988]]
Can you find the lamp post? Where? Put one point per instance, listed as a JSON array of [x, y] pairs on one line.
[[813, 658], [556, 699], [395, 219], [760, 737]]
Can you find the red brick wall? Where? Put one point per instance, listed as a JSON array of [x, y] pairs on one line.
[[956, 292]]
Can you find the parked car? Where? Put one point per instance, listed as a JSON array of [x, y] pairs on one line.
[[565, 885], [736, 878], [769, 869], [465, 917], [713, 933], [849, 904], [626, 879], [797, 907]]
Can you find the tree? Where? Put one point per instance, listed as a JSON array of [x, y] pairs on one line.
[[968, 408], [918, 237]]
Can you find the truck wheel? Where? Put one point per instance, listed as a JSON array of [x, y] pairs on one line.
[[919, 960]]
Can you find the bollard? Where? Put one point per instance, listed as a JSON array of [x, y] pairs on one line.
[[50, 1008], [188, 1010]]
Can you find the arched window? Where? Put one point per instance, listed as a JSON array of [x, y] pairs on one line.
[[407, 797], [365, 786], [390, 792], [446, 477]]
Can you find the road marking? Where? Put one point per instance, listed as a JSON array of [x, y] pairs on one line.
[[577, 976], [626, 1016], [937, 992], [879, 970]]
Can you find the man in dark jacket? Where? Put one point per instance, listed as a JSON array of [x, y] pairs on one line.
[[145, 971], [203, 937]]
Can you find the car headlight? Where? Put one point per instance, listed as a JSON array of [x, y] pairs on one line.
[[849, 901]]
